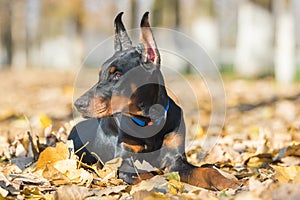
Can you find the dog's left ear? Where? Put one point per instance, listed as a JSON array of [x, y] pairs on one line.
[[150, 53]]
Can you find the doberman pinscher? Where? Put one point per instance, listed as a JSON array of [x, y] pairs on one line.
[[131, 115]]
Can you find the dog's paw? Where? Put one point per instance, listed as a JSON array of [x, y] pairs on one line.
[[209, 178]]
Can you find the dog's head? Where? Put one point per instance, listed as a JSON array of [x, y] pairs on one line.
[[130, 82]]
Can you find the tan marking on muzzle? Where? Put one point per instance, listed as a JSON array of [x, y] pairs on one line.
[[100, 107]]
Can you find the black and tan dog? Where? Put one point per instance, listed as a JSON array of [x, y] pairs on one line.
[[132, 116]]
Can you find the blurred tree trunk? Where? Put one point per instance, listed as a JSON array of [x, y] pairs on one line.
[[205, 29], [133, 9], [19, 58], [6, 32], [254, 46], [285, 67], [166, 13], [33, 16]]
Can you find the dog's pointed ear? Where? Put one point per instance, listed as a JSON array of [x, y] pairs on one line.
[[122, 40], [150, 52]]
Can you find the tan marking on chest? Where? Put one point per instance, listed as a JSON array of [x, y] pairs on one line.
[[136, 148], [173, 140]]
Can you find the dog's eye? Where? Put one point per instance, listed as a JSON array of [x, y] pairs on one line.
[[112, 69], [116, 75]]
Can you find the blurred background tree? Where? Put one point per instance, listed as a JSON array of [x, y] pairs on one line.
[[252, 38]]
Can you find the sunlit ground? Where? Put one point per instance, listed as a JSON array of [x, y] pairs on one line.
[[261, 128]]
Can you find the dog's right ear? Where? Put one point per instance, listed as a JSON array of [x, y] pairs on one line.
[[122, 40], [151, 52]]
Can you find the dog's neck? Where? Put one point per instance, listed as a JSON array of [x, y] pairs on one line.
[[143, 122]]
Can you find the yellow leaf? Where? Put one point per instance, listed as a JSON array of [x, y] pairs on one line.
[[68, 91], [175, 186], [200, 132], [286, 174], [259, 159], [149, 195], [45, 120], [52, 154], [172, 176], [297, 178], [30, 191]]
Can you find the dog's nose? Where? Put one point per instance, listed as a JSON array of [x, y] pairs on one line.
[[81, 104]]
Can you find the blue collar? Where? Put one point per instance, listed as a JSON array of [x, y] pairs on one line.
[[142, 123]]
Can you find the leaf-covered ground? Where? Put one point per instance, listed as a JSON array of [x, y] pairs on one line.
[[259, 144]]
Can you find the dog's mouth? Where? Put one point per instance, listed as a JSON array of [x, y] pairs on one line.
[[94, 108], [100, 107], [97, 113]]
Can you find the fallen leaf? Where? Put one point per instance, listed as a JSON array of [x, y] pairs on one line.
[[149, 184], [65, 166], [293, 150], [52, 154], [172, 176], [259, 159], [175, 186], [109, 170], [115, 163], [30, 178], [32, 192], [20, 150], [72, 192], [286, 191], [149, 195], [297, 178], [286, 174], [110, 190], [145, 166], [45, 120], [22, 162], [55, 176], [3, 192], [85, 178]]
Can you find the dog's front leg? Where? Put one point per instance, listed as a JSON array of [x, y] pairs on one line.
[[207, 178], [175, 160], [128, 172]]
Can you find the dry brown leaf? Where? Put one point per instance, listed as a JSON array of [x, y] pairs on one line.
[[286, 191], [144, 166], [175, 186], [149, 184], [226, 174], [293, 150], [114, 163], [149, 195], [4, 179], [297, 178], [32, 192], [110, 169], [68, 167], [22, 162], [30, 178], [286, 174], [85, 178], [3, 192], [65, 166], [72, 192], [259, 159], [110, 190], [55, 176], [52, 154]]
